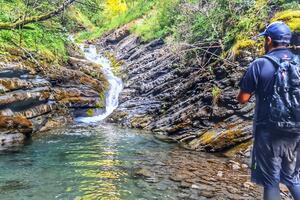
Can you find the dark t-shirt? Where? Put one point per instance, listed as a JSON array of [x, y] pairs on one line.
[[259, 79]]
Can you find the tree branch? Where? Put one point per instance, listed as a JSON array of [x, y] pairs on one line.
[[21, 22]]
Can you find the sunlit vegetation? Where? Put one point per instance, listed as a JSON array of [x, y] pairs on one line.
[[44, 40], [231, 24], [291, 17], [114, 14], [216, 93]]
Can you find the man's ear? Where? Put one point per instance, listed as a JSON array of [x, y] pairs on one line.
[[269, 40]]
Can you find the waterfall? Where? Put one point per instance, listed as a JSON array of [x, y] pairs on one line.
[[115, 84]]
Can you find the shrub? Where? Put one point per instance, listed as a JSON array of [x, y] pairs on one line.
[[216, 93], [160, 22]]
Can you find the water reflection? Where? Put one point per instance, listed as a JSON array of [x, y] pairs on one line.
[[99, 169], [78, 163]]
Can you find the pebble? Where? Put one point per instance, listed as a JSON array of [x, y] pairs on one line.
[[143, 172], [232, 190], [195, 186], [244, 166], [248, 184], [220, 174], [207, 194], [236, 167]]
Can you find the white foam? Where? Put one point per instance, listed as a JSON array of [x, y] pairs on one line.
[[115, 84]]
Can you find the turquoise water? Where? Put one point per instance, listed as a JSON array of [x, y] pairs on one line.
[[82, 163]]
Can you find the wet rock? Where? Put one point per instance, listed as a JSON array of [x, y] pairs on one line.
[[8, 138], [9, 84], [35, 99], [166, 94], [22, 124], [143, 172]]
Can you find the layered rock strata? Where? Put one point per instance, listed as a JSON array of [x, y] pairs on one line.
[[180, 101], [36, 98]]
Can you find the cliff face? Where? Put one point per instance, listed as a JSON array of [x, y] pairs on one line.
[[35, 98], [179, 101]]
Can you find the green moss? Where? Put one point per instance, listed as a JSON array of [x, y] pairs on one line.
[[115, 64], [90, 112], [242, 44], [207, 137], [291, 17], [44, 40], [100, 104], [216, 93]]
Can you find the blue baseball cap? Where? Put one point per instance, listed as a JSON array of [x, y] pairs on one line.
[[278, 31]]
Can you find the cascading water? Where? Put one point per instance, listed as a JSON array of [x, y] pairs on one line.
[[115, 84]]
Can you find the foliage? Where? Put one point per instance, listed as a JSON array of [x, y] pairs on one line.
[[114, 8], [160, 22], [291, 17], [46, 40], [108, 20], [242, 44], [48, 44], [115, 64], [90, 112], [78, 20], [231, 23]]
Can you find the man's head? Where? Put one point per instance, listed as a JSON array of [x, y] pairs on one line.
[[277, 34]]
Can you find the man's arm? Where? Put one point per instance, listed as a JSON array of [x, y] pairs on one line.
[[248, 83], [243, 97]]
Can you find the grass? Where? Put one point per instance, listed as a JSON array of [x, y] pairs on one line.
[[106, 23], [49, 45], [160, 22], [44, 40]]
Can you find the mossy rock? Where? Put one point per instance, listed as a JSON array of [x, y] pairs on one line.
[[291, 17], [90, 112], [243, 44]]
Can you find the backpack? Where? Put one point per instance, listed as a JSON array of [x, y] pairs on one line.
[[284, 102]]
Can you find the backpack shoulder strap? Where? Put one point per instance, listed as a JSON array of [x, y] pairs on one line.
[[274, 60]]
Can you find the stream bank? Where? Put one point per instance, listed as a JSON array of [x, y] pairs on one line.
[[36, 97]]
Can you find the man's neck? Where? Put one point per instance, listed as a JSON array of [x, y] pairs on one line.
[[274, 48]]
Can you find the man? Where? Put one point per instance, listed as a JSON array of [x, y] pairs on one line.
[[274, 155]]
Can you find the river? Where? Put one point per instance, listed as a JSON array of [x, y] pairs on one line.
[[80, 162], [99, 162]]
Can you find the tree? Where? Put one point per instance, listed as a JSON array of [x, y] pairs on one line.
[[24, 20]]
